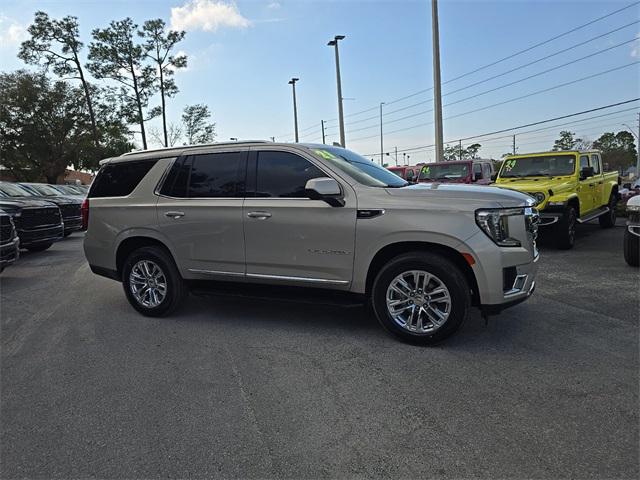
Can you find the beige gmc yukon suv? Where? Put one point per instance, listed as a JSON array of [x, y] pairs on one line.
[[316, 216]]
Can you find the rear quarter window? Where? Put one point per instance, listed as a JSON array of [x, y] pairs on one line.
[[119, 179]]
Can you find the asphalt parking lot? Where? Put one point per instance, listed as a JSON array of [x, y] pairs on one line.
[[248, 388]]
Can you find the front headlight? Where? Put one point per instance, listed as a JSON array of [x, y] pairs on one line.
[[495, 223], [539, 196], [633, 208]]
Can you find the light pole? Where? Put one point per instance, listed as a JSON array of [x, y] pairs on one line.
[[322, 125], [292, 82], [396, 156], [381, 137], [437, 92], [334, 43], [638, 139]]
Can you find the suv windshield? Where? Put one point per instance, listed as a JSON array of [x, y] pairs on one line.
[[359, 168], [546, 166], [443, 171], [12, 190]]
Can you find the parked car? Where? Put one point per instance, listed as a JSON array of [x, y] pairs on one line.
[[312, 216], [9, 241], [569, 186], [632, 233], [69, 206], [409, 173], [70, 191], [476, 171], [38, 222]]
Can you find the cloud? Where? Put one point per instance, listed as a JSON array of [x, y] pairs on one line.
[[11, 32], [635, 51], [273, 6], [207, 15]]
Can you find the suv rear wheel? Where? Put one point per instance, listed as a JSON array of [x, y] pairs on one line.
[[421, 297], [152, 283]]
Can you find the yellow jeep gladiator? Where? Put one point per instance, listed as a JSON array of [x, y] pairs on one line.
[[569, 186]]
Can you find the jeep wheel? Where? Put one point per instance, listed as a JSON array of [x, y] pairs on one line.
[[420, 297], [609, 219], [565, 229], [152, 282], [39, 247], [631, 248]]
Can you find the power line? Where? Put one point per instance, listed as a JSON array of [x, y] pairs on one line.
[[490, 90], [483, 67], [531, 124]]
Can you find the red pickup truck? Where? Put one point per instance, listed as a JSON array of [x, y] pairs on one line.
[[408, 172], [476, 171]]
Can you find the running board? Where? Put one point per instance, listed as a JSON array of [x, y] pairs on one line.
[[598, 213]]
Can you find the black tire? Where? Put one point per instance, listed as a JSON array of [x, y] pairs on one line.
[[445, 271], [609, 219], [176, 289], [39, 247], [631, 249], [565, 229]]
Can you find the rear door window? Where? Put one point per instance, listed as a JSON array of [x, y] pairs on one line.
[[217, 175], [283, 175], [120, 179], [595, 163]]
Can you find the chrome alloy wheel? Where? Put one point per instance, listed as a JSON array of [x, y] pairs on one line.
[[418, 301], [148, 283]]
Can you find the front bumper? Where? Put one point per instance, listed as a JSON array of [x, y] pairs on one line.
[[505, 276], [9, 252], [72, 224], [51, 233]]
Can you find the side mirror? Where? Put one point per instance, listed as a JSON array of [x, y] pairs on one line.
[[326, 189], [493, 177], [586, 172]]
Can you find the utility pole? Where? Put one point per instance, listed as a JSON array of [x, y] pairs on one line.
[[437, 92], [292, 82], [514, 145], [334, 43], [460, 149], [381, 137], [322, 125], [404, 158], [396, 148]]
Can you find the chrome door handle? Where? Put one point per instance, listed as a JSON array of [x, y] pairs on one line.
[[174, 215], [259, 215]]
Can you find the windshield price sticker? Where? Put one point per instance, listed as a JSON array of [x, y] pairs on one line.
[[509, 164], [324, 154]]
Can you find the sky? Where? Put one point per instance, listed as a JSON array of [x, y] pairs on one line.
[[242, 54]]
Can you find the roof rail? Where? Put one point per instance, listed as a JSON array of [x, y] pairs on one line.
[[187, 147]]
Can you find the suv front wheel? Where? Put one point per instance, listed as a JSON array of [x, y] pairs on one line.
[[152, 283], [421, 297]]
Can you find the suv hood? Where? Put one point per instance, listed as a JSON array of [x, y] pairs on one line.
[[58, 200], [13, 206], [538, 184], [472, 194]]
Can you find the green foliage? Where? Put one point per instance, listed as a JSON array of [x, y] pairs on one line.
[[455, 152], [115, 55], [567, 141], [158, 45], [618, 149], [45, 127], [197, 129], [55, 44]]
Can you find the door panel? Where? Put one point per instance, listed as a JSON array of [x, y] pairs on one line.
[[598, 193], [586, 188], [289, 235], [200, 211]]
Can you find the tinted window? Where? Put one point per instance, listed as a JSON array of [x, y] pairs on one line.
[[410, 175], [282, 174], [175, 185], [477, 170], [119, 179], [216, 175], [595, 163], [486, 170]]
